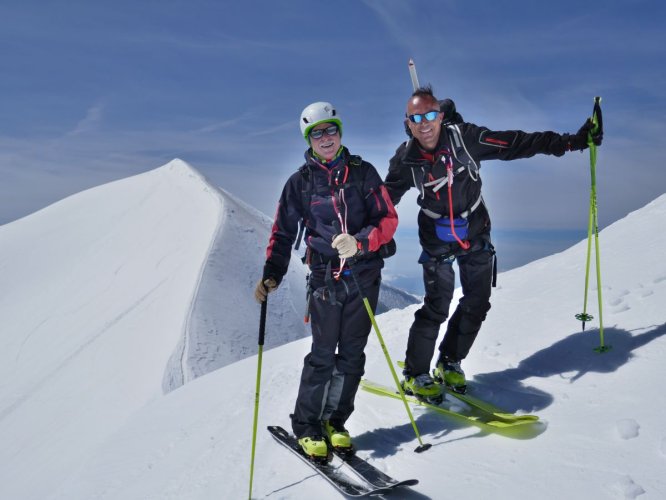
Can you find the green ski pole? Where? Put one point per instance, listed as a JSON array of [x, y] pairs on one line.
[[584, 316], [262, 331], [593, 225], [422, 447]]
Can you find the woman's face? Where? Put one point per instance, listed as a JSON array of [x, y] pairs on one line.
[[327, 145]]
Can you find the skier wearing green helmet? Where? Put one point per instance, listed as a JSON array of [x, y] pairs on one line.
[[342, 206]]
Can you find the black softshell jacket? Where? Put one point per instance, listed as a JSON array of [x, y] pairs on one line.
[[465, 145], [349, 196]]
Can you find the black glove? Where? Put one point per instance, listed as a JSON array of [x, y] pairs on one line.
[[578, 142]]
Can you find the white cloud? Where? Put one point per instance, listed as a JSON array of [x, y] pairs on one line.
[[90, 122]]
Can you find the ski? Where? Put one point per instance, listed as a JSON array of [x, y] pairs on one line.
[[482, 419], [477, 403], [486, 407], [370, 473], [333, 471]]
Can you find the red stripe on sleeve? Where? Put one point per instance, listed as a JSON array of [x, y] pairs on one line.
[[274, 230], [383, 233]]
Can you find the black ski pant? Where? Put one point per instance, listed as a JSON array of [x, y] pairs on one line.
[[476, 276], [333, 369]]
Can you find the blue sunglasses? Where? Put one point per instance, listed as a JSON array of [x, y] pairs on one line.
[[429, 116]]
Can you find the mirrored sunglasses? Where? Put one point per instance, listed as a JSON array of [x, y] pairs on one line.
[[317, 134], [429, 116]]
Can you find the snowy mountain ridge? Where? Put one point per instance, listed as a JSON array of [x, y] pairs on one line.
[[99, 289]]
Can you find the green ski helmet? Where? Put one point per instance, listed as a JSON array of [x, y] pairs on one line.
[[316, 113]]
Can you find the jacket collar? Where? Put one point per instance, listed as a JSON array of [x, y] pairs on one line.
[[415, 154], [341, 159]]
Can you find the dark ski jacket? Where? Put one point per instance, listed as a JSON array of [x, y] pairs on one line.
[[348, 195], [465, 145]]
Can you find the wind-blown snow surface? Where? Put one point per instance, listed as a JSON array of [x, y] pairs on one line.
[[83, 414]]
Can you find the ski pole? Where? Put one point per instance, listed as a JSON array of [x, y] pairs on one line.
[[598, 123], [262, 331], [422, 447], [584, 316], [593, 225]]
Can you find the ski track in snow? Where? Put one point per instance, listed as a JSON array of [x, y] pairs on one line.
[[67, 360], [213, 338]]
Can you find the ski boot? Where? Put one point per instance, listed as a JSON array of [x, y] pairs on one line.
[[338, 437], [315, 448], [423, 387], [449, 373]]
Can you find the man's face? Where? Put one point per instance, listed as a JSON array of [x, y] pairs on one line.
[[327, 145], [426, 132]]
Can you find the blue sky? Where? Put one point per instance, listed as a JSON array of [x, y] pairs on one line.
[[97, 91]]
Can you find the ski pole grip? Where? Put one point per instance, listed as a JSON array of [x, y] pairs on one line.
[[596, 114], [262, 321]]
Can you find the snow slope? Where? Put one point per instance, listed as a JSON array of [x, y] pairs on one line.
[[83, 415], [217, 329], [95, 289], [216, 335]]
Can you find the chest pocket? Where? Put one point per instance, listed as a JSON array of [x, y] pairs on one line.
[[324, 197], [437, 177]]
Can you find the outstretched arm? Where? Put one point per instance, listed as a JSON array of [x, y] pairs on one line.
[[486, 144]]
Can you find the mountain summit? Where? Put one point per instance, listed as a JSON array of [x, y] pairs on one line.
[[115, 297]]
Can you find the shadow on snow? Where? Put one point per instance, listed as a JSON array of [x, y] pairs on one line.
[[570, 358]]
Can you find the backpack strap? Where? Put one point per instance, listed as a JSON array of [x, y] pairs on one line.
[[460, 152], [354, 162], [306, 196], [355, 178]]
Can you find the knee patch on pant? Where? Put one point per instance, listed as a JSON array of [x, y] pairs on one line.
[[471, 319]]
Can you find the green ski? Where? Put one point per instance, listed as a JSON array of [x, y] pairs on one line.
[[479, 404], [489, 408], [483, 419]]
